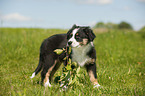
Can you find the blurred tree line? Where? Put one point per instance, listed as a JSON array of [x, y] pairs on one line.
[[105, 27], [121, 25]]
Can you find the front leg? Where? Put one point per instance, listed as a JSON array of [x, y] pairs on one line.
[[91, 69]]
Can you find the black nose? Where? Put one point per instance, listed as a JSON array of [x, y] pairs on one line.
[[70, 42]]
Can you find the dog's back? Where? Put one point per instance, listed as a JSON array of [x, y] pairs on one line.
[[57, 41]]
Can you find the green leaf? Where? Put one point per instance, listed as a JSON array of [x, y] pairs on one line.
[[69, 61], [68, 76], [77, 71], [72, 81], [68, 67], [69, 50], [63, 76], [75, 64], [65, 58], [58, 51]]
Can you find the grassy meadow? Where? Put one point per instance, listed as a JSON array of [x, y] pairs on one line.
[[120, 64]]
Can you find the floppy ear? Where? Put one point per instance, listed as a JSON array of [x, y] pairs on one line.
[[90, 34], [70, 31]]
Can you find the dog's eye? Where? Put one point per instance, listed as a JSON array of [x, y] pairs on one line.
[[77, 34]]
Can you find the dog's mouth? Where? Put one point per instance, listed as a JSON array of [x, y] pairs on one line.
[[80, 44], [69, 44]]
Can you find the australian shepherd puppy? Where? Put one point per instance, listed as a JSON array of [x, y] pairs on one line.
[[80, 39]]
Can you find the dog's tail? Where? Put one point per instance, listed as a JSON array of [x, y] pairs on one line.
[[37, 70]]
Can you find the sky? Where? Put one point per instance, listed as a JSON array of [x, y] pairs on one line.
[[64, 13]]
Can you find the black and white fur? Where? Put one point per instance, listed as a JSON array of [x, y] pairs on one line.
[[80, 39]]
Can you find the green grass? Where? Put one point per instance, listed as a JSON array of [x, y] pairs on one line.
[[120, 64]]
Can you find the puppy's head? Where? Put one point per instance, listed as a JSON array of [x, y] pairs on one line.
[[78, 36]]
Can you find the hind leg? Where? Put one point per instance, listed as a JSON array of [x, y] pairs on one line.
[[49, 64], [46, 76], [57, 65]]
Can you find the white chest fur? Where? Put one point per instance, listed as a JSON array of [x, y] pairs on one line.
[[79, 55]]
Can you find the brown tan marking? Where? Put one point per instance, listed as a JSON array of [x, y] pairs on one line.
[[92, 78], [49, 72], [85, 41], [54, 69], [93, 61]]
